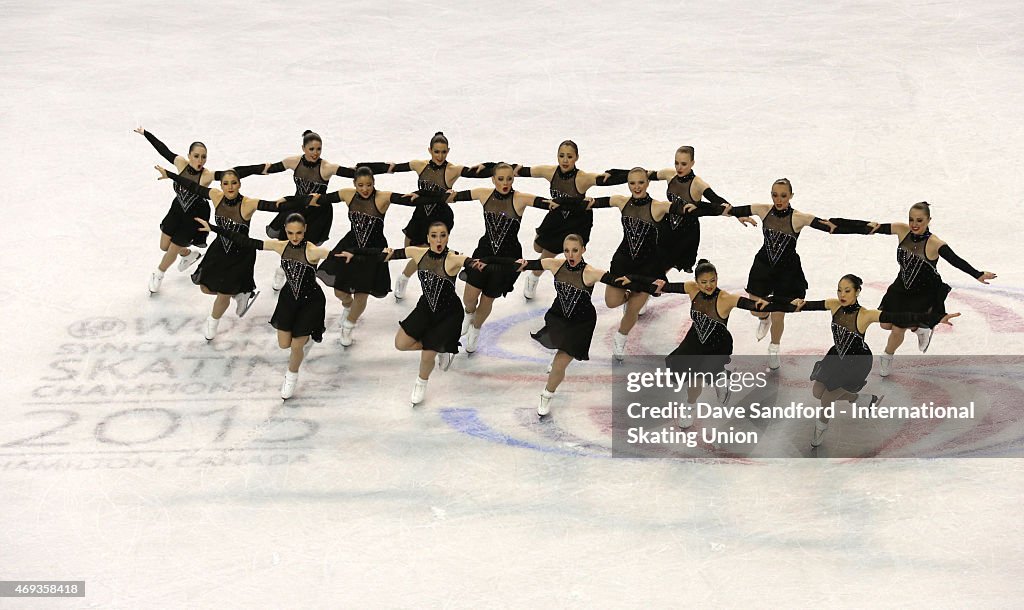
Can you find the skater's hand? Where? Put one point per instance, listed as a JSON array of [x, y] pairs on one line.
[[345, 254], [726, 208], [391, 167], [946, 318], [874, 227], [522, 265], [163, 172], [761, 303], [828, 223], [140, 131], [313, 198], [205, 226], [388, 252], [987, 275], [798, 303], [689, 208], [589, 200], [660, 284], [747, 220], [476, 168], [624, 281], [412, 196], [478, 264]]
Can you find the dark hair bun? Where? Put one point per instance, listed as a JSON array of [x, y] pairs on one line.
[[439, 133], [702, 261], [307, 132]]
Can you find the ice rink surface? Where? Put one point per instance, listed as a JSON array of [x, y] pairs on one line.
[[166, 472]]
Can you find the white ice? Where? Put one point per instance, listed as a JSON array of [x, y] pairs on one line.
[[182, 489]]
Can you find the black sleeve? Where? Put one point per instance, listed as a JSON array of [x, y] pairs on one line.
[[160, 147], [188, 185], [504, 261], [609, 279], [345, 172], [243, 171], [601, 202], [329, 198], [402, 167], [401, 199], [714, 197], [674, 288], [884, 229], [572, 203], [820, 225], [464, 196], [367, 255], [906, 320], [750, 305], [429, 197], [377, 167], [615, 176], [808, 305], [740, 211], [534, 265], [243, 241], [542, 203], [846, 226], [653, 177], [523, 171], [267, 206], [399, 254], [703, 208], [469, 262], [296, 203], [485, 172], [640, 283], [276, 168], [947, 253]]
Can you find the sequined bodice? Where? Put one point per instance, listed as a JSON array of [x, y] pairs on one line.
[[229, 215], [300, 273], [185, 198], [640, 233], [501, 221], [704, 314], [779, 235], [438, 286], [679, 191], [913, 260], [573, 293], [847, 337], [366, 219], [308, 179]]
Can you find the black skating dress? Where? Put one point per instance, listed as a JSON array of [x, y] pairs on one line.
[[227, 267], [501, 238], [561, 222], [370, 277], [679, 234], [638, 252], [432, 179], [707, 346], [569, 323], [179, 221], [776, 270], [848, 363], [308, 180], [301, 305], [436, 321], [919, 288]]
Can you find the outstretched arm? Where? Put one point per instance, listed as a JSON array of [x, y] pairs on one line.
[[159, 146], [243, 171], [947, 253], [192, 187], [243, 241]]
